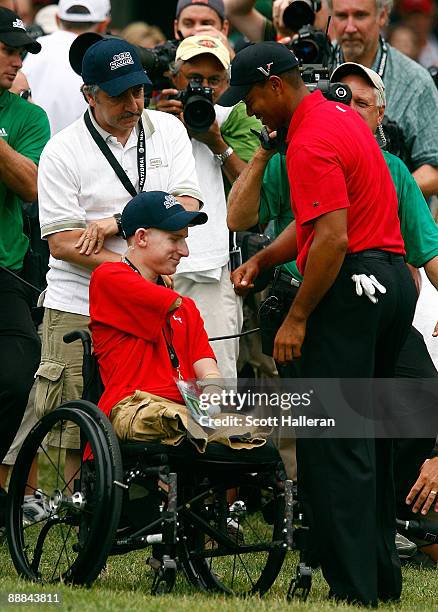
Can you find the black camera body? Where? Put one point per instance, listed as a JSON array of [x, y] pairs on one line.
[[312, 46], [156, 61], [300, 13], [197, 101]]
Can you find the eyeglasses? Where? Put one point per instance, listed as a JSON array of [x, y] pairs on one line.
[[213, 81]]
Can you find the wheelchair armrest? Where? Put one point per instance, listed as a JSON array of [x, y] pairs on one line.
[[77, 334]]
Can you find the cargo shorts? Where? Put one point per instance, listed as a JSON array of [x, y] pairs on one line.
[[59, 376]]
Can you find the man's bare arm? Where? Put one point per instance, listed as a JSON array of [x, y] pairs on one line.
[[427, 179], [431, 269], [62, 246], [283, 249], [245, 18], [188, 202], [244, 197], [18, 173]]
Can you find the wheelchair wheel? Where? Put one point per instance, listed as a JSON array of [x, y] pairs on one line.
[[236, 547], [70, 531]]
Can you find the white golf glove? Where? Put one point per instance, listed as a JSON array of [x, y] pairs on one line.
[[367, 285]]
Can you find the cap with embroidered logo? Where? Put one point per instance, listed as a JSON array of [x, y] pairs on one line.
[[216, 5], [92, 11], [201, 43], [255, 64], [160, 210], [114, 65], [13, 32]]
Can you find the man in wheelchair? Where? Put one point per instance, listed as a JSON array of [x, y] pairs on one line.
[[145, 335], [218, 514]]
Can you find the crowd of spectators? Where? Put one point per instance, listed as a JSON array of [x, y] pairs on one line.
[[84, 128]]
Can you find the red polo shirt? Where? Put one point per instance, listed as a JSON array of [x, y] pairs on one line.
[[127, 317], [333, 162]]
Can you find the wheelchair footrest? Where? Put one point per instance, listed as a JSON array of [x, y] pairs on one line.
[[165, 574], [300, 585]]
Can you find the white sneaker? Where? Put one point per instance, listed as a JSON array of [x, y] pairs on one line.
[[35, 508]]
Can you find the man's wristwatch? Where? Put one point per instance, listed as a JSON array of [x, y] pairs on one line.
[[118, 218], [222, 157]]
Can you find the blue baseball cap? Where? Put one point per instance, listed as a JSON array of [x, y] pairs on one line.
[[160, 210], [114, 65]]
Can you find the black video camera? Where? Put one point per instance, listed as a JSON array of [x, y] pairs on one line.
[[300, 13], [311, 46], [156, 61], [199, 113]]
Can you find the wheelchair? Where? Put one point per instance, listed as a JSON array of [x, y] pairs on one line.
[[224, 517]]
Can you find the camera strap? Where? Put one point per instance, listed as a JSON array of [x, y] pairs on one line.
[[141, 156], [339, 57]]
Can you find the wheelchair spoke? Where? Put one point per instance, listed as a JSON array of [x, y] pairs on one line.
[[52, 463]]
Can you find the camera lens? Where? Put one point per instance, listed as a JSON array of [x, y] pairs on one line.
[[306, 50], [199, 113], [298, 14]]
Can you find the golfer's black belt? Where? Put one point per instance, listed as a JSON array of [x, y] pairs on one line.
[[377, 254]]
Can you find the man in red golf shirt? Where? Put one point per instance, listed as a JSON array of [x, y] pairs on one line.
[[345, 207]]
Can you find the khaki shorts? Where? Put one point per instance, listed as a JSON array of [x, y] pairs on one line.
[[146, 417], [29, 420], [59, 376]]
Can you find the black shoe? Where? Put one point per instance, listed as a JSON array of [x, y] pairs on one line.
[[420, 560]]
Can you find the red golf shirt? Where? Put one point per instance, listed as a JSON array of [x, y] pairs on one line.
[[128, 316], [333, 162]]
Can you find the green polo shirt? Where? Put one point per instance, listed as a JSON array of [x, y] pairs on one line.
[[25, 127], [418, 228], [236, 132]]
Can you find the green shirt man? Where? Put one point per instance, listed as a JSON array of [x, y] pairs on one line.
[[25, 128]]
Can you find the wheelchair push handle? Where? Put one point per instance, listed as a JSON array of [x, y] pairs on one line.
[[81, 335]]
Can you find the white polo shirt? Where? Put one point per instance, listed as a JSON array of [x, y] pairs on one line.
[[54, 84], [76, 185], [208, 244]]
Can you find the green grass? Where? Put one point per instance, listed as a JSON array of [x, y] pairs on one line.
[[125, 585]]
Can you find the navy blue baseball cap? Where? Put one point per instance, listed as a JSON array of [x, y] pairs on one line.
[[160, 210], [255, 64], [114, 65]]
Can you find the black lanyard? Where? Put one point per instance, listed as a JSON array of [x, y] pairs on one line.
[[170, 349], [141, 156], [382, 64]]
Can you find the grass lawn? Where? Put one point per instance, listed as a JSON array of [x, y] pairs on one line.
[[125, 585]]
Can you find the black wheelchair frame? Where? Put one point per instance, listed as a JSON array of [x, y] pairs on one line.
[[175, 500]]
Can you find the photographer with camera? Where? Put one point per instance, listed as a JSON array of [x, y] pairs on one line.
[[288, 16], [222, 143], [194, 17], [338, 180]]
